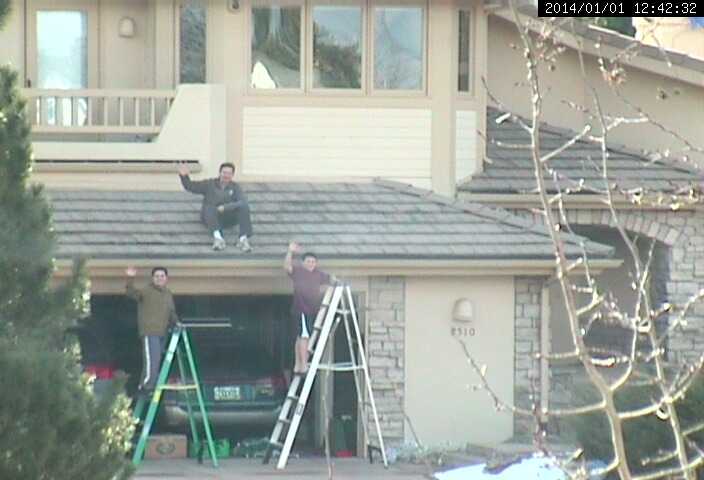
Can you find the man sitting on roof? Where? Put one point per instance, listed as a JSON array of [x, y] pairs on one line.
[[224, 205]]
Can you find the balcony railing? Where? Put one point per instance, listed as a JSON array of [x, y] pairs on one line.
[[98, 111]]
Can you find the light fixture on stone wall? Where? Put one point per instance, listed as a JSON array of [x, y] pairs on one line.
[[463, 311], [233, 5], [126, 27]]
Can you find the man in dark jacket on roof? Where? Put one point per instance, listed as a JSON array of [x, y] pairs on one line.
[[224, 205], [156, 313]]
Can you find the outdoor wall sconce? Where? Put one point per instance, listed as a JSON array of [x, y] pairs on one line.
[[233, 5], [463, 311], [126, 27]]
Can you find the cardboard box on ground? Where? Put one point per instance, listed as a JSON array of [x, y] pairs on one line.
[[166, 446]]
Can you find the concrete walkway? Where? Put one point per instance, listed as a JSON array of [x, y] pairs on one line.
[[298, 468]]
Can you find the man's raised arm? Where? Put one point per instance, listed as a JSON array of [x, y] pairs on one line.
[[132, 292], [293, 247], [194, 187]]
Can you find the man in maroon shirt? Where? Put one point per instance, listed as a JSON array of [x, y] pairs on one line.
[[307, 297]]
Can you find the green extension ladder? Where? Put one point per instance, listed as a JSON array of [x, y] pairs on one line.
[[179, 345]]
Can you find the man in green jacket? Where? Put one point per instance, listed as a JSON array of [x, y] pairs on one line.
[[224, 204], [156, 314]]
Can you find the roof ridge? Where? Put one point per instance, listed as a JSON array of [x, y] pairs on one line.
[[493, 213]]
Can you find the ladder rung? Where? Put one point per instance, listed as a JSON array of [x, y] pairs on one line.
[[285, 420], [339, 367], [292, 397], [177, 387], [275, 444]]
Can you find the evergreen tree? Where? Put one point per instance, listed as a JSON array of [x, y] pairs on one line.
[[28, 306], [51, 424]]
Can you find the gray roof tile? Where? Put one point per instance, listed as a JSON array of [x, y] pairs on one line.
[[510, 170], [337, 220]]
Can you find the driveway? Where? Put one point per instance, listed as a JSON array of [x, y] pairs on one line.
[[301, 468]]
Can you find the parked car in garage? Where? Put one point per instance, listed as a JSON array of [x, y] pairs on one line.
[[241, 386]]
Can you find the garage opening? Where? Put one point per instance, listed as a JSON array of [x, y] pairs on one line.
[[245, 368]]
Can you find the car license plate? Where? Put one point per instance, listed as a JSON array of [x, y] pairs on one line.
[[227, 393]]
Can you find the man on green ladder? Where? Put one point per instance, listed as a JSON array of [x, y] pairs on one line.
[[156, 315]]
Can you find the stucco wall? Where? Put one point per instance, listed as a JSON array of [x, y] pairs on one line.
[[12, 38], [115, 72], [439, 399], [121, 62], [566, 83]]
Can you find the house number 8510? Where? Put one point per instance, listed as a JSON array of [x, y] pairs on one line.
[[463, 331]]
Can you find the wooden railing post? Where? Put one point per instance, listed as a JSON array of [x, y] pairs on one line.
[[96, 122]]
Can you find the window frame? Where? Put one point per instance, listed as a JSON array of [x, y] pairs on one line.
[[177, 40], [302, 4], [384, 92], [472, 60], [368, 8], [363, 87], [94, 53]]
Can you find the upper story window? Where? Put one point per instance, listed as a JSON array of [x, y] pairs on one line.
[[276, 47], [464, 84], [62, 49], [337, 46], [399, 46], [192, 42], [346, 45]]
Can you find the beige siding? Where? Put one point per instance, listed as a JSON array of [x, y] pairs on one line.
[[465, 144], [350, 142]]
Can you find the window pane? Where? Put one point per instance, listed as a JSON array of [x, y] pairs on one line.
[[398, 48], [62, 62], [276, 47], [192, 42], [337, 47], [464, 52], [63, 49]]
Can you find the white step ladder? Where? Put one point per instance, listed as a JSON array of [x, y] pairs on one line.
[[337, 305]]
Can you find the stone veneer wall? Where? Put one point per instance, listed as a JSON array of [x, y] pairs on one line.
[[527, 306], [683, 233], [677, 279], [385, 319]]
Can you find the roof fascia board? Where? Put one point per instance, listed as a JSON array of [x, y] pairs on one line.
[[207, 268]]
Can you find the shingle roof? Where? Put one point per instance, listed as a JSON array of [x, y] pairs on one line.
[[510, 170], [380, 220]]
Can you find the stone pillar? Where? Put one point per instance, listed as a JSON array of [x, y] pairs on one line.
[[526, 347], [385, 351]]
